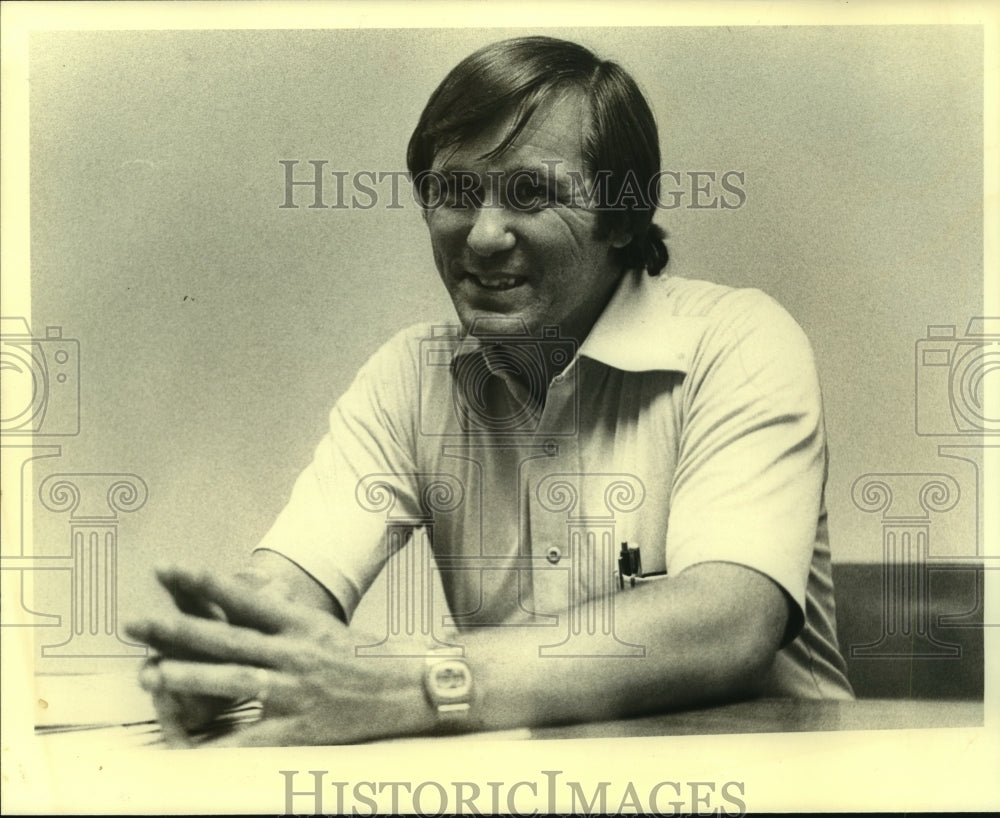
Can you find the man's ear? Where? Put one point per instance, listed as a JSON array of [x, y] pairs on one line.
[[619, 240]]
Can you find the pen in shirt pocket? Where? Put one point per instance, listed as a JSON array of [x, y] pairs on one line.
[[630, 567]]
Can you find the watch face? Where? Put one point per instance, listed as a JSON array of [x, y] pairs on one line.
[[449, 681]]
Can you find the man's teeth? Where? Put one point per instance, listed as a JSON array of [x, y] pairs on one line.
[[497, 283]]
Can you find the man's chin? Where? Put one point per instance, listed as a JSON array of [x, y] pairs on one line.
[[490, 324]]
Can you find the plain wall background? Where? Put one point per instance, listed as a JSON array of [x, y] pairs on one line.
[[216, 329]]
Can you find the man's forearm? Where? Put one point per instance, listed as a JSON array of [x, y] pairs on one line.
[[708, 634]]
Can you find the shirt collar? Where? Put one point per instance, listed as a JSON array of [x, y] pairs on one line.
[[639, 330], [636, 332]]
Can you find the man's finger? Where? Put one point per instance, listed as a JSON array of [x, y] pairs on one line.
[[246, 600], [194, 637], [270, 732], [188, 603], [232, 681], [171, 717]]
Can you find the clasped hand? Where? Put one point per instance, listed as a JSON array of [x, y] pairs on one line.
[[240, 637]]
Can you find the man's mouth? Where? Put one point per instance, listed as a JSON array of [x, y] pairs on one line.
[[497, 283]]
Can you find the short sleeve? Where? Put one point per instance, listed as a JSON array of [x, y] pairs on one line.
[[334, 525], [751, 465]]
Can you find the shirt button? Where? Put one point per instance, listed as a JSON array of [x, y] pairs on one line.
[[553, 554]]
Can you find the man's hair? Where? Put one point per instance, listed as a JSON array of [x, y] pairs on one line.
[[620, 141]]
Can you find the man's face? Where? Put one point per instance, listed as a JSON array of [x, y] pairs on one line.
[[506, 261]]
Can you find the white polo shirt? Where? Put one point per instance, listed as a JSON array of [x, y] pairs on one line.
[[689, 423]]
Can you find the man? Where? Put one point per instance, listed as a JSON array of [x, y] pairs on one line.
[[586, 399]]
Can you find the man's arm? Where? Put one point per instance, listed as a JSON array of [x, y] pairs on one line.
[[181, 713], [709, 634], [296, 583]]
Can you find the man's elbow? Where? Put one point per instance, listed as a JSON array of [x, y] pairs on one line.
[[748, 676], [754, 644]]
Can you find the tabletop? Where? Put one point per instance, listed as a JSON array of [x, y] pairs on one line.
[[108, 710]]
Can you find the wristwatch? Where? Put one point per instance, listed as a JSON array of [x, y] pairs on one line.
[[448, 685]]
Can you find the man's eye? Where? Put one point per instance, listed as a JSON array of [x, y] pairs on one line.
[[464, 199], [438, 190], [459, 194], [528, 195]]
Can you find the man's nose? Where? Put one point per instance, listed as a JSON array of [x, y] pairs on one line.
[[490, 231]]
